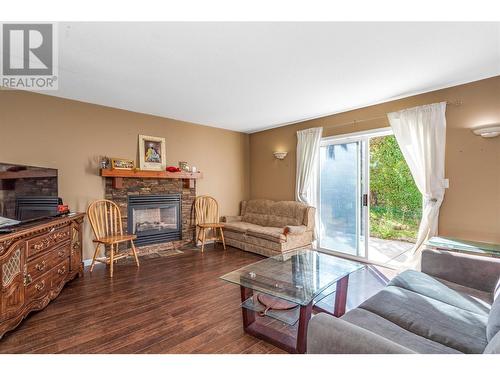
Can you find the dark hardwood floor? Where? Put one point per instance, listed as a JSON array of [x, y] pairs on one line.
[[174, 304]]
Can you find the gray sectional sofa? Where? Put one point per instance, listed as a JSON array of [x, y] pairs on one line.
[[452, 306]]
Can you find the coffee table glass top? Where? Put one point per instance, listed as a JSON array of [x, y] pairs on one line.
[[297, 276]]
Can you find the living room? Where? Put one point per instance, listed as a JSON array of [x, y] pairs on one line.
[[261, 194]]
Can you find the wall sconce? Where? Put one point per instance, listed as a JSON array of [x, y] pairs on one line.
[[487, 131], [280, 155]]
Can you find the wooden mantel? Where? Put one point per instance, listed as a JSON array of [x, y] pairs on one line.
[[119, 174], [25, 173]]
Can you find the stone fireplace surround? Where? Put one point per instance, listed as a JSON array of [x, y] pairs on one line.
[[151, 186]]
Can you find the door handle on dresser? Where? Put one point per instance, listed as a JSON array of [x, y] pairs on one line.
[[62, 270], [40, 266]]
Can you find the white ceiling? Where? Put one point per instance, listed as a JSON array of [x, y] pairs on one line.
[[252, 76]]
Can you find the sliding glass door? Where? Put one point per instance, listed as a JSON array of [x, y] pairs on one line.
[[341, 186], [369, 205]]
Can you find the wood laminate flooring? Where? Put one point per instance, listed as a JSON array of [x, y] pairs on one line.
[[174, 304]]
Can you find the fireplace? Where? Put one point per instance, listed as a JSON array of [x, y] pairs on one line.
[[139, 191], [154, 218]]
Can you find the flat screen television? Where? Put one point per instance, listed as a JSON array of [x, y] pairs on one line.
[[27, 193]]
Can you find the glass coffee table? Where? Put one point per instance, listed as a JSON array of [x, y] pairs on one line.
[[285, 289]]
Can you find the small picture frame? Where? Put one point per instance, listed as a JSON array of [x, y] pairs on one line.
[[127, 164], [152, 153]]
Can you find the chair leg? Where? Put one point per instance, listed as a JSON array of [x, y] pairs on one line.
[[222, 236], [203, 239], [200, 231], [95, 256], [134, 251], [111, 260], [216, 237]]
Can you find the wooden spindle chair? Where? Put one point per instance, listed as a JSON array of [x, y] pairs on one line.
[[207, 218], [106, 221]]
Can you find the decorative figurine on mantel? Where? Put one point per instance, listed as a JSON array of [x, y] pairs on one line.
[[104, 162], [183, 165]]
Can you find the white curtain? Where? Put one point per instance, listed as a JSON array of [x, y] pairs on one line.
[[421, 135], [306, 187]]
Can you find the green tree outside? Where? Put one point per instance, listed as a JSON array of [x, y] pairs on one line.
[[395, 202]]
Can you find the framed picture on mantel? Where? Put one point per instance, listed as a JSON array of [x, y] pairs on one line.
[[152, 153], [122, 164]]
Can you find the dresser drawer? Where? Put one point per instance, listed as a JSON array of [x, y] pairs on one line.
[[41, 243], [39, 288], [43, 263], [59, 273]]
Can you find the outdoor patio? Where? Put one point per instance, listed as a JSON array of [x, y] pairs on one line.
[[389, 252], [392, 253]]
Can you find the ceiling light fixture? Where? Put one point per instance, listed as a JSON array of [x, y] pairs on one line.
[[487, 131]]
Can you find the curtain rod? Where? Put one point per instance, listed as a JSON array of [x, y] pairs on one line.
[[456, 103]]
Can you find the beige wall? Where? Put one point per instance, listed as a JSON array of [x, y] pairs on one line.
[[70, 136], [471, 208]]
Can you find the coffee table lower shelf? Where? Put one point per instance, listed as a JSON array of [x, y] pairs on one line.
[[287, 331]]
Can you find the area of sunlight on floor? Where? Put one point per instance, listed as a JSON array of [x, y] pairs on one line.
[[392, 253]]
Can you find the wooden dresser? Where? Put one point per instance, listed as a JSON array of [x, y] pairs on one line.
[[36, 261]]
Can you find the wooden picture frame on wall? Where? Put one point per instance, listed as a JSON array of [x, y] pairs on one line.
[[126, 164], [152, 153]]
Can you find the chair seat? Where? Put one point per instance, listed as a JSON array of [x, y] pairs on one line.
[[211, 225], [116, 239]]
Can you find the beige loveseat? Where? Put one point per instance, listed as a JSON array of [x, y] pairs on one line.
[[270, 228]]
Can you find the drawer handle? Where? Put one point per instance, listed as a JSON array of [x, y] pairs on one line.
[[61, 271], [27, 279], [40, 266], [40, 286], [60, 253]]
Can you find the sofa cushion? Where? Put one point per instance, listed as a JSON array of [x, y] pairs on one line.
[[484, 299], [235, 235], [395, 333], [433, 319], [231, 219], [245, 246], [493, 327], [257, 211], [269, 233], [277, 247], [292, 242], [493, 346], [428, 286], [478, 272], [286, 213], [240, 226]]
